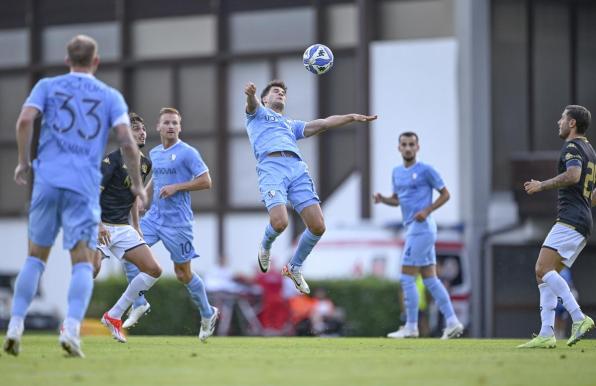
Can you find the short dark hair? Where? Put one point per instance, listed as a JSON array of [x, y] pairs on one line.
[[81, 50], [273, 83], [408, 134], [135, 118], [581, 115]]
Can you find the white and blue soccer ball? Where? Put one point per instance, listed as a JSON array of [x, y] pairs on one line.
[[318, 59]]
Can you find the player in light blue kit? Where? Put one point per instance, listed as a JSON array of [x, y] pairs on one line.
[[413, 185], [78, 112], [283, 175], [178, 169]]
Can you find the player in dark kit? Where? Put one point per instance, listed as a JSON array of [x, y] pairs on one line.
[[119, 239], [567, 238]]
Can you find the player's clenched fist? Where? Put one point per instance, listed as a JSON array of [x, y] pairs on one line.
[[250, 89]]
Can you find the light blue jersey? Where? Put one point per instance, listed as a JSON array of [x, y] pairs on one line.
[[178, 163], [78, 112], [414, 188], [269, 131]]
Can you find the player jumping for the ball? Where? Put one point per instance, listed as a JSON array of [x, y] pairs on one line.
[[283, 175]]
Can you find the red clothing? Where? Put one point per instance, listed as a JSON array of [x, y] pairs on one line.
[[275, 311]]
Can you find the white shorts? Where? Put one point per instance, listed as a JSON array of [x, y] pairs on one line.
[[123, 238], [566, 241]]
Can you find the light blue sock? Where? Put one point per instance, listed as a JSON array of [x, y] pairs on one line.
[[269, 237], [439, 293], [80, 290], [197, 292], [305, 245], [26, 285], [131, 272], [410, 292]]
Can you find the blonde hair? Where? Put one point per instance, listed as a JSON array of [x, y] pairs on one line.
[[169, 110], [81, 50]]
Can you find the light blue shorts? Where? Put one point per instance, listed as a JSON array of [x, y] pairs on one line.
[[52, 208], [286, 179], [419, 250], [177, 240]]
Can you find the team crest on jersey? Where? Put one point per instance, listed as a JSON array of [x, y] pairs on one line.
[[173, 157], [414, 176], [107, 160], [271, 193], [144, 168]]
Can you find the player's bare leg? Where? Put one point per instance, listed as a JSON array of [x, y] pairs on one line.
[[136, 312], [150, 269], [278, 221], [312, 216], [548, 266]]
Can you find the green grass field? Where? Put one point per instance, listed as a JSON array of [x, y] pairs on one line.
[[298, 362]]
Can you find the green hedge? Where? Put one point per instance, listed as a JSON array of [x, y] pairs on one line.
[[371, 306]]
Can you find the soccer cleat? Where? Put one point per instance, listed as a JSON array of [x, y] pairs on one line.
[[403, 332], [115, 327], [71, 344], [12, 342], [296, 275], [454, 331], [264, 258], [135, 314], [208, 325], [579, 329], [540, 342], [12, 346]]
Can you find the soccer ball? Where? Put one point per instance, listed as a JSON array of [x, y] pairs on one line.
[[318, 59]]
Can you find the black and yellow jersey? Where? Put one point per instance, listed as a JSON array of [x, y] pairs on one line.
[[574, 204], [116, 198]]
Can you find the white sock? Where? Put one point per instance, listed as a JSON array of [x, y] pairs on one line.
[[72, 327], [451, 321], [548, 304], [560, 288], [16, 326], [141, 283], [412, 326]]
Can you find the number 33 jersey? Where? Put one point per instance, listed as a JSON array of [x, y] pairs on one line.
[[575, 201], [78, 111]]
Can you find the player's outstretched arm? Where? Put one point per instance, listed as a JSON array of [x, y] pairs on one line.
[[132, 160], [320, 125], [393, 200], [201, 182], [252, 103], [569, 177], [24, 136]]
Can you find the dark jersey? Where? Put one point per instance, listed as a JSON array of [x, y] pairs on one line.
[[116, 198], [575, 201]]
